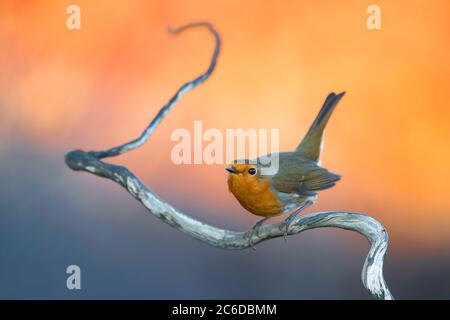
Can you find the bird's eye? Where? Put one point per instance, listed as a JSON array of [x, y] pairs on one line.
[[252, 171]]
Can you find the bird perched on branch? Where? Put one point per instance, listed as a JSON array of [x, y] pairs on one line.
[[295, 185]]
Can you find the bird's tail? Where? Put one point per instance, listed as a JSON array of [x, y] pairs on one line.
[[310, 147]]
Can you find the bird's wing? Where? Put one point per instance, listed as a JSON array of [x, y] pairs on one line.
[[304, 178]]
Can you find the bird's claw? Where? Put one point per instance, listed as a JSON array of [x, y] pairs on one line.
[[252, 232], [286, 228], [255, 229], [292, 217]]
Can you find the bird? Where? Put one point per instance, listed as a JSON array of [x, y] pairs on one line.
[[295, 185]]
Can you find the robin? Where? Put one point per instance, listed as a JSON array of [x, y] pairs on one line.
[[295, 185]]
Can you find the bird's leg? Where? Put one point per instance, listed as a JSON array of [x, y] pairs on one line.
[[255, 229], [289, 219]]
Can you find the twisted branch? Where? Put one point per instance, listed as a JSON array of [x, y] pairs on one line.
[[78, 160]]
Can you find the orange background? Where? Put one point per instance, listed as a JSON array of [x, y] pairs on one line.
[[99, 86]]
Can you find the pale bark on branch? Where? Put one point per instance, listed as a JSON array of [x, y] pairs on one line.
[[90, 161]]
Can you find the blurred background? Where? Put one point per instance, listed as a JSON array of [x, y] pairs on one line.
[[99, 86]]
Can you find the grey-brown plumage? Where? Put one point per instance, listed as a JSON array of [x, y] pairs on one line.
[[302, 176], [299, 172]]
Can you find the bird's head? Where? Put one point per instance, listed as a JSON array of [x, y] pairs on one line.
[[251, 188], [244, 169], [245, 176]]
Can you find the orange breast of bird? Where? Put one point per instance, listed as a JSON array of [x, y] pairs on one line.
[[255, 195]]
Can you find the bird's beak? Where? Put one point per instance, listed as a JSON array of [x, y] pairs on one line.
[[231, 170]]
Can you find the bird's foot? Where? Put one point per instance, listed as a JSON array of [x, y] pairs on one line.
[[252, 232], [255, 230], [286, 225], [291, 218]]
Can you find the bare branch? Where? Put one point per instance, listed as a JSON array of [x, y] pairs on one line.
[[372, 273], [171, 103]]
